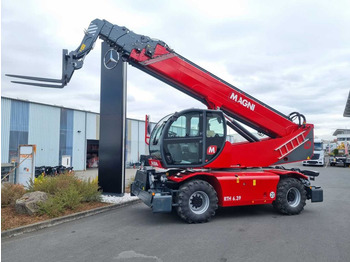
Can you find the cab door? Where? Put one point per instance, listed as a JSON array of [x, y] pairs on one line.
[[183, 140], [193, 138], [215, 135]]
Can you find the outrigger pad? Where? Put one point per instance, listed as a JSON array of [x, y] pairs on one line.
[[315, 193], [310, 173]]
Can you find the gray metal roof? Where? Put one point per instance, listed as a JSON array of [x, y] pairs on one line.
[[341, 132], [58, 106], [40, 103], [347, 107]]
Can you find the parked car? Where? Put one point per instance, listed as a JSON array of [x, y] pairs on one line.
[[318, 159], [342, 160], [40, 170]]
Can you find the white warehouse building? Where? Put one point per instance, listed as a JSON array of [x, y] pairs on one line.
[[60, 132]]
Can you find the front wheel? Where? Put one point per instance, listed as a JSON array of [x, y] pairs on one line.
[[197, 201], [291, 196]]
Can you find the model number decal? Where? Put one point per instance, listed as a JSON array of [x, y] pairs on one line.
[[232, 198], [154, 163], [244, 102]]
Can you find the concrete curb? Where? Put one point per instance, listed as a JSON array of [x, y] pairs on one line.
[[56, 221]]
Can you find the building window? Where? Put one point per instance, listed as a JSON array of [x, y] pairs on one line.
[[19, 123], [66, 134]]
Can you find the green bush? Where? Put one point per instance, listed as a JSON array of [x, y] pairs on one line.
[[66, 192], [67, 198], [70, 197], [89, 191], [52, 185], [53, 207], [10, 193]]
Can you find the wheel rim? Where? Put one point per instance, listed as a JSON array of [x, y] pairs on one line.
[[293, 197], [199, 202]]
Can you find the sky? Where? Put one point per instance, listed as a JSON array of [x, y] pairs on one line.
[[291, 55]]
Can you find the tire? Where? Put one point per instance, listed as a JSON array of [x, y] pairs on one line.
[[197, 201], [291, 196]]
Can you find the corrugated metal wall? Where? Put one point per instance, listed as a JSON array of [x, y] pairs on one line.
[[79, 141], [91, 126], [5, 129], [44, 132], [135, 141], [97, 126]]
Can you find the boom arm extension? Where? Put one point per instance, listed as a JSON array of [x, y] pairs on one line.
[[157, 59]]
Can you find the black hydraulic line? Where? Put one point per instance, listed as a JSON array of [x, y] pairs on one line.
[[248, 123], [242, 131], [301, 117]]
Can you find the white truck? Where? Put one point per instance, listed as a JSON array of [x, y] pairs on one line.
[[318, 158]]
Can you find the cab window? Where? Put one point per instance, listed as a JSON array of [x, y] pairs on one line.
[[187, 125], [178, 128], [183, 143], [215, 125]]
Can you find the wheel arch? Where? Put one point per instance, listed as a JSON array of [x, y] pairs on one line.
[[288, 173], [210, 178]]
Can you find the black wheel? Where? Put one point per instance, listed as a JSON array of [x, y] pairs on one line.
[[197, 201], [291, 196]]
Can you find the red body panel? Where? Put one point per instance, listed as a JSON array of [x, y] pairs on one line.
[[241, 187], [147, 130], [257, 154], [216, 93]]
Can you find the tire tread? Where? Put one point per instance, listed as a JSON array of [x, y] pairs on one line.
[[183, 197]]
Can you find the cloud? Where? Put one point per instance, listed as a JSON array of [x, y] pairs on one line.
[[293, 56]]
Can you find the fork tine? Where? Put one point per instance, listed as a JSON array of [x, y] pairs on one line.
[[38, 84], [36, 78]]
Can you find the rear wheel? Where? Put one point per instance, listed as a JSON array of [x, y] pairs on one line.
[[291, 196], [197, 201]]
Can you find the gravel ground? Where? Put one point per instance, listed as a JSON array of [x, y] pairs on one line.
[[118, 200]]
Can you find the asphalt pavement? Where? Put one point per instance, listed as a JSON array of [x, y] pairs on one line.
[[252, 233]]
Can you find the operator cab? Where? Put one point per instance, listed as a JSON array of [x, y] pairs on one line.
[[190, 138]]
